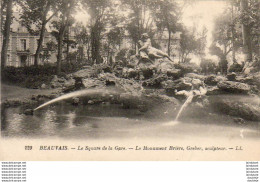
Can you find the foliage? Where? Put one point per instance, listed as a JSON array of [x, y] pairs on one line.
[[235, 68], [35, 15], [167, 15], [192, 43], [34, 77], [139, 20], [208, 66], [101, 12]]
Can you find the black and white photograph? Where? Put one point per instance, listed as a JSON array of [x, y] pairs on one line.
[[130, 80]]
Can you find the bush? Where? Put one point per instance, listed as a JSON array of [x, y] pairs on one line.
[[34, 77], [235, 68], [188, 67]]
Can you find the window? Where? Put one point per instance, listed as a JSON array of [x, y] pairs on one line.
[[23, 45]]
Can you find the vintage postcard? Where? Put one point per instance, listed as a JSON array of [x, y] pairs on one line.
[[130, 80]]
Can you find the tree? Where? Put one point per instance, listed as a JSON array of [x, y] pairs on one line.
[[192, 42], [35, 16], [66, 8], [207, 66], [114, 37], [6, 31], [82, 37], [139, 19], [225, 38], [249, 18], [100, 12], [167, 15]]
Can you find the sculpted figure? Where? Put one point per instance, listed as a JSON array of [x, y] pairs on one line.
[[149, 52]]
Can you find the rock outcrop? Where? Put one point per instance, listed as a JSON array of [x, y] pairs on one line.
[[234, 87]]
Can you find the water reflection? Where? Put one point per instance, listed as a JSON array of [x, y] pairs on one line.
[[99, 121]]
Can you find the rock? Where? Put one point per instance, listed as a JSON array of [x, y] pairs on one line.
[[155, 82], [93, 83], [164, 65], [28, 112], [126, 85], [231, 76], [195, 75], [196, 83], [174, 73], [85, 73], [69, 85], [75, 101], [43, 86], [57, 82], [91, 102], [239, 120], [251, 67], [233, 87], [238, 108], [130, 73], [252, 79], [213, 80], [133, 61], [177, 85], [214, 90], [12, 102]]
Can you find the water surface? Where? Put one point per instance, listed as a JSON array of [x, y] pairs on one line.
[[64, 120]]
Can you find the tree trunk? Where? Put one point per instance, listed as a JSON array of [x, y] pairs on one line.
[[68, 45], [169, 42], [60, 45], [39, 46], [233, 36], [246, 33], [6, 35], [95, 44]]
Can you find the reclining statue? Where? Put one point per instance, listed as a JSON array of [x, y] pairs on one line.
[[147, 51]]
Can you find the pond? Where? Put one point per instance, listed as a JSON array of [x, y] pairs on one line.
[[103, 121]]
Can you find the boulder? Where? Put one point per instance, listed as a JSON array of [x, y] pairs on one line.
[[196, 83], [174, 73], [213, 80], [195, 75], [85, 73], [130, 73], [123, 84], [75, 101], [155, 82], [214, 90], [57, 82], [43, 86], [69, 85], [251, 79], [231, 76], [233, 87], [93, 83], [171, 86], [238, 108], [28, 111]]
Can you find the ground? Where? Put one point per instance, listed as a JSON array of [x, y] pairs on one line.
[[16, 92]]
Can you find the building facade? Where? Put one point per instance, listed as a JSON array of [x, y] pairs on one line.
[[22, 46]]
